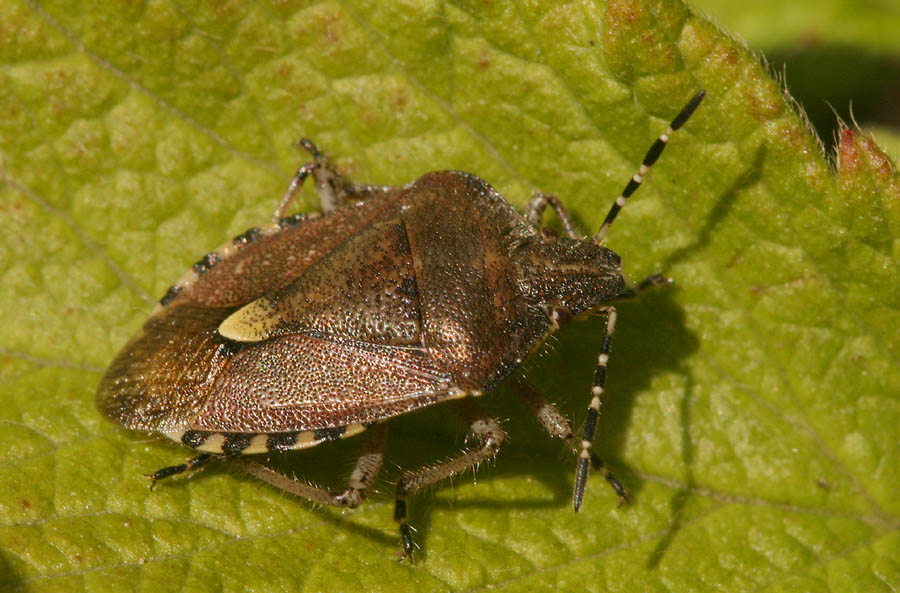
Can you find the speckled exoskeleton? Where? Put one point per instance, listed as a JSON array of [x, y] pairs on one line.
[[315, 328]]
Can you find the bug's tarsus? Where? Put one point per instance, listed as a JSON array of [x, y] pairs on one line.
[[310, 147], [299, 177], [332, 189], [648, 282], [651, 281], [400, 518], [188, 466], [649, 159], [485, 427], [598, 465]]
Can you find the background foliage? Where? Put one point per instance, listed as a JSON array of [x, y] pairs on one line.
[[753, 408]]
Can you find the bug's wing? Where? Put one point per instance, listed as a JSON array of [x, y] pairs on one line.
[[305, 382], [364, 289]]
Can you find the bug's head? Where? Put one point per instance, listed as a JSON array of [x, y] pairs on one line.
[[574, 275]]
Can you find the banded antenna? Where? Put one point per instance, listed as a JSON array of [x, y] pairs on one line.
[[649, 159]]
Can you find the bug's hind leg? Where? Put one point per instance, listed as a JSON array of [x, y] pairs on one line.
[[485, 428], [333, 190], [188, 466], [557, 426], [545, 411], [361, 480]]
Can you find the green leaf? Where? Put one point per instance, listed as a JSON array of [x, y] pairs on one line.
[[835, 56], [864, 26], [752, 408]]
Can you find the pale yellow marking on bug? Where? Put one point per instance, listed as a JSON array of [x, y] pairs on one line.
[[457, 393], [307, 438], [213, 443], [257, 445], [175, 435], [352, 430], [251, 323]]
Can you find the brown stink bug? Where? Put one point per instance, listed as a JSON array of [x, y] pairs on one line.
[[312, 329]]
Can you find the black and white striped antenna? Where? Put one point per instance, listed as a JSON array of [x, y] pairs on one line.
[[649, 160]]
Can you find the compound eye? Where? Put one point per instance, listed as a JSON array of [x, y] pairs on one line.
[[614, 259]]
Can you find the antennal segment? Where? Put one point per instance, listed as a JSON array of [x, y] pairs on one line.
[[649, 160]]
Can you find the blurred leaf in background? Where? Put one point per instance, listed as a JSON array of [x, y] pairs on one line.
[[833, 56]]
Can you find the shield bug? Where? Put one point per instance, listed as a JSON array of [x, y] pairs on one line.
[[315, 328]]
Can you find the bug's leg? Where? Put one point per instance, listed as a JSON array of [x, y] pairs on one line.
[[651, 281], [557, 426], [590, 423], [535, 212], [545, 411], [299, 177], [188, 466], [648, 282], [333, 190], [367, 467], [485, 428]]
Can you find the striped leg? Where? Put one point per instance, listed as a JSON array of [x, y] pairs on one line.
[[189, 466], [361, 479], [590, 424], [537, 205], [649, 160], [557, 426], [648, 282], [485, 428]]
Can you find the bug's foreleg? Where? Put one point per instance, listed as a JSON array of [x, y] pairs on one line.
[[485, 428], [557, 426], [367, 467], [648, 282], [590, 424], [296, 184], [333, 190]]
